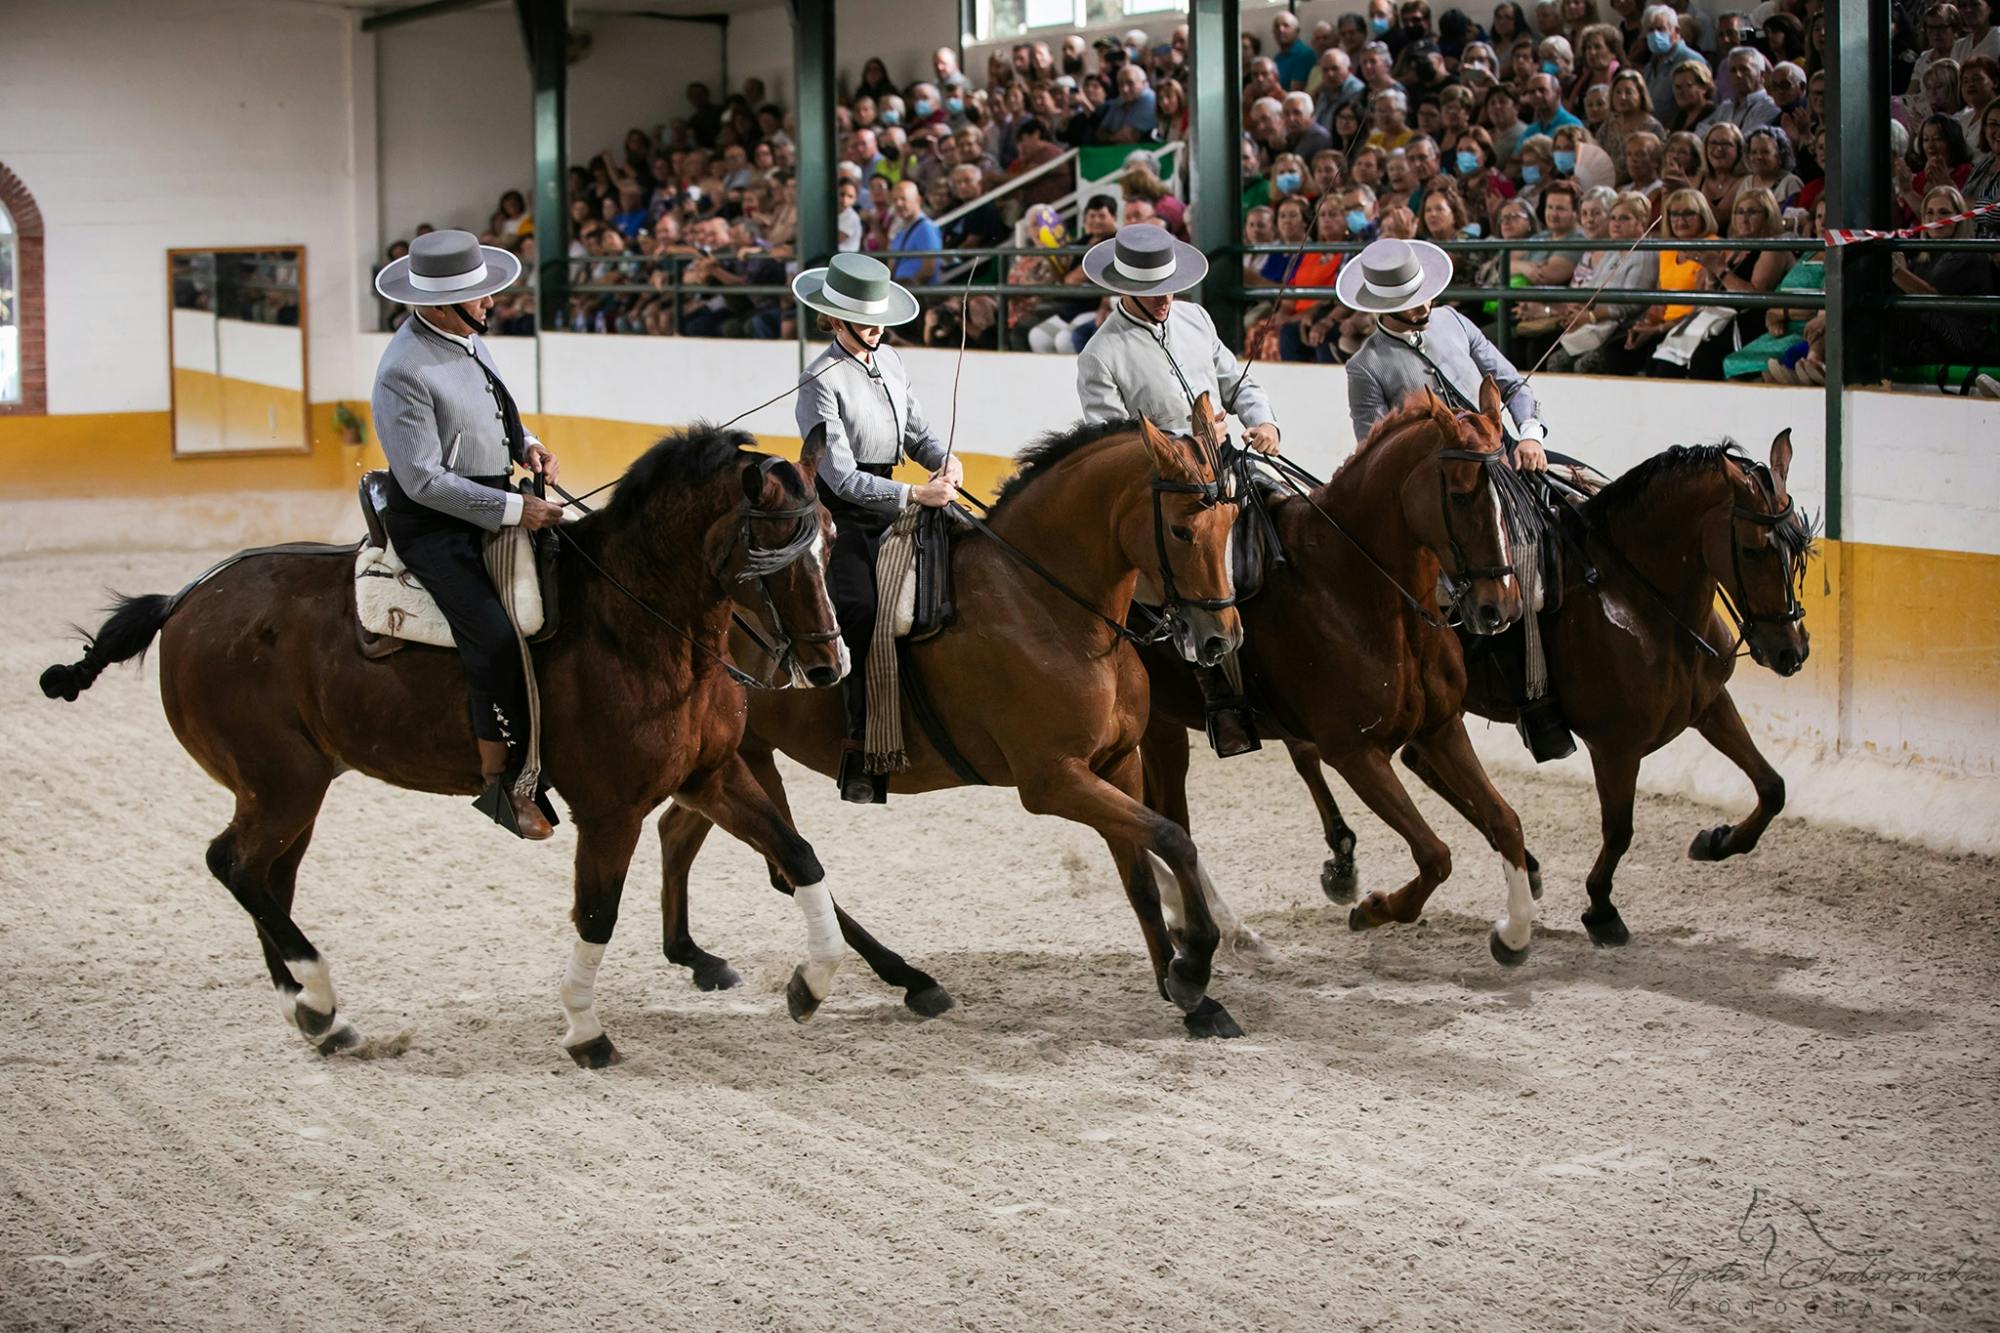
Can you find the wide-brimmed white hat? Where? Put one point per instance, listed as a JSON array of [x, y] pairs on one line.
[[1144, 259], [1392, 275], [855, 288], [446, 267]]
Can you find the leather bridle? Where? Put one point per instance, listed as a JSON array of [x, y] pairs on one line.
[[1459, 579], [759, 564], [1770, 521]]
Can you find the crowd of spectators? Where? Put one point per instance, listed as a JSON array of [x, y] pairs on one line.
[[1569, 123], [1560, 122]]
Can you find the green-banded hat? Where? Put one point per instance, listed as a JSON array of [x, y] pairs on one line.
[[855, 288]]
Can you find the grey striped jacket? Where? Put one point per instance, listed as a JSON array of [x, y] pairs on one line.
[[439, 423]]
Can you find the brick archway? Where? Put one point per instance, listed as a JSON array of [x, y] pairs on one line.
[[28, 292]]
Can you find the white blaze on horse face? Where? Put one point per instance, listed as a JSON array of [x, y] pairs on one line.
[[1517, 926], [1500, 533], [824, 949], [579, 995]]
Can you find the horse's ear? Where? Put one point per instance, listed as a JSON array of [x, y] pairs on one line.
[[1202, 425], [1491, 405], [1781, 459], [757, 477], [1167, 456], [811, 452]]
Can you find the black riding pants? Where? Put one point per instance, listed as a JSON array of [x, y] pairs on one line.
[[850, 582], [447, 556]]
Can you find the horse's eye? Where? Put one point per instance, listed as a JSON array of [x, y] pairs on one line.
[[1181, 533]]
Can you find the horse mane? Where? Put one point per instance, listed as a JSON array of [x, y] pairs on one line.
[[1052, 448], [681, 460], [1619, 496]]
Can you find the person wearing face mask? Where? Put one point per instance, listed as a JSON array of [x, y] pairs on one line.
[[858, 395], [1154, 358], [1381, 18], [1660, 28]]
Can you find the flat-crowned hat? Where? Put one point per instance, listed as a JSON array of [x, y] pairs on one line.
[[1144, 259], [856, 288], [446, 267], [1392, 275]]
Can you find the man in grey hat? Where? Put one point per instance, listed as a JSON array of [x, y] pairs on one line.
[[858, 394], [1154, 358], [452, 435], [1416, 346]]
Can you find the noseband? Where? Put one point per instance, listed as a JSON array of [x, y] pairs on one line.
[[1212, 493]]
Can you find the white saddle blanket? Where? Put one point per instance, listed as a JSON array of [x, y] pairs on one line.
[[391, 602]]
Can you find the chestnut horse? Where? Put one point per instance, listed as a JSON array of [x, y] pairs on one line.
[[264, 683], [1347, 655], [1638, 651], [1038, 692]]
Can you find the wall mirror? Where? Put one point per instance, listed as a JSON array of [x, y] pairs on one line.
[[237, 346]]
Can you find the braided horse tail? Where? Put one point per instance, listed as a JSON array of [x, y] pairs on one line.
[[133, 623]]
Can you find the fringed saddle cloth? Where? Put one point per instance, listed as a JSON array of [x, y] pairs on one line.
[[913, 592]]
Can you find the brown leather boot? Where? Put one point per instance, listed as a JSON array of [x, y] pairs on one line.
[[508, 808]]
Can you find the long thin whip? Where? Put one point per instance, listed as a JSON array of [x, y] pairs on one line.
[[1595, 293]]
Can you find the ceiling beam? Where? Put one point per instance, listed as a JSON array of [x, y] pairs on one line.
[[395, 18]]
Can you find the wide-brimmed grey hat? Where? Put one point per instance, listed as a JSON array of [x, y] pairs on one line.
[[1392, 275], [446, 267], [857, 289], [1143, 259]]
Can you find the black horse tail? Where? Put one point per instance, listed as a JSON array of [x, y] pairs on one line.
[[133, 623]]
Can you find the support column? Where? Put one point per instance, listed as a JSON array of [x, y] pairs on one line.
[[545, 25], [1215, 124], [813, 95], [1857, 195]]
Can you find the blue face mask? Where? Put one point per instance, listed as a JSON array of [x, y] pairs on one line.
[[891, 117], [1472, 231], [1551, 67], [1467, 162], [923, 107], [1565, 162], [1378, 26], [1357, 222], [1659, 43], [954, 106], [1288, 182], [1530, 174]]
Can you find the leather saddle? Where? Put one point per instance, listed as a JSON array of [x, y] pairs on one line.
[[546, 545]]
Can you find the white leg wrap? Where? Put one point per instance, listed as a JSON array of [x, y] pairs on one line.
[[824, 948], [1517, 926], [579, 995], [1171, 906], [1240, 939], [315, 984]]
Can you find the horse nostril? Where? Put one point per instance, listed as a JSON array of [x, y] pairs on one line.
[[820, 677], [1490, 616], [1214, 648]]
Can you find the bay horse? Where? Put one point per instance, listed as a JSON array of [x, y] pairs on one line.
[[1039, 692], [1347, 653], [264, 682], [1638, 651]]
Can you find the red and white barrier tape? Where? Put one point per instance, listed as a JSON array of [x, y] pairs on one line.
[[1908, 233]]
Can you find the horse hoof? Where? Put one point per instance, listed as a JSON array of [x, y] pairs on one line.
[[1210, 1019], [1185, 994], [1606, 927], [716, 974], [342, 1038], [1337, 879], [1709, 843], [597, 1053], [800, 1002], [931, 1001], [1503, 955]]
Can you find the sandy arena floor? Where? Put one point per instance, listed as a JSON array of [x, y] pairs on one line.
[[1775, 1109]]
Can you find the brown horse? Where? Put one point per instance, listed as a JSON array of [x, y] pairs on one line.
[[1038, 692], [265, 685], [1638, 651], [1347, 655]]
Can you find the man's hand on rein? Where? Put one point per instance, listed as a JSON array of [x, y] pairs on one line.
[[541, 460], [1262, 438]]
